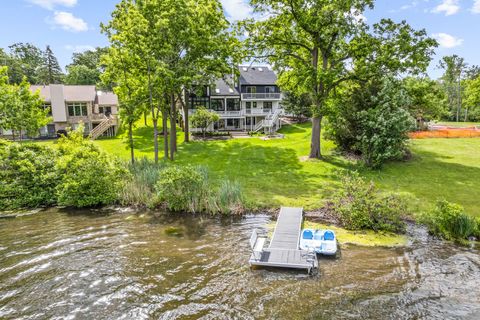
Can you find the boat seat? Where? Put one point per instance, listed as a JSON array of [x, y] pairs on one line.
[[329, 236], [307, 235]]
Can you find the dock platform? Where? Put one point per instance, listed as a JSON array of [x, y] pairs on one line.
[[284, 250]]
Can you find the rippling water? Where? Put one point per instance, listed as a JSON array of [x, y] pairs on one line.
[[86, 266]]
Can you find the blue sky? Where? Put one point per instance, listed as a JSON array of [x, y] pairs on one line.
[[73, 25]]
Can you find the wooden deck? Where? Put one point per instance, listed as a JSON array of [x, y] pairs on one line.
[[283, 250]]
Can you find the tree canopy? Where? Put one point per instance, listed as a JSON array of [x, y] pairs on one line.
[[316, 45]]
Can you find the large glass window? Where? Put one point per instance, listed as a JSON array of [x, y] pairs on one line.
[[217, 104], [251, 89], [269, 89], [233, 104], [77, 109], [267, 105], [195, 103]]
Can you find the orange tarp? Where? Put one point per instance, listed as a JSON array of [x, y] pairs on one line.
[[447, 132]]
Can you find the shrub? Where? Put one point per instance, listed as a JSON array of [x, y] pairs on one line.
[[27, 175], [449, 221], [229, 198], [358, 205], [139, 189], [89, 176], [180, 188], [188, 189]]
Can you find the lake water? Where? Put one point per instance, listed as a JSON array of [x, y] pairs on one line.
[[86, 265]]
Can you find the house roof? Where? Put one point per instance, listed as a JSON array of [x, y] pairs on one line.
[[78, 94], [257, 75], [224, 87], [107, 98]]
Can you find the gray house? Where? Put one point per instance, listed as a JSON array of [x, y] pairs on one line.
[[250, 103]]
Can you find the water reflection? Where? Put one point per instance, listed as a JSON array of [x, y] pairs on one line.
[[128, 266]]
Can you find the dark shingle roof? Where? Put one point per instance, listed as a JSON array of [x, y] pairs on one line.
[[224, 87], [257, 76]]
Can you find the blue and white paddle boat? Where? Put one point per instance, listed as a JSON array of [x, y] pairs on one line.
[[321, 241]]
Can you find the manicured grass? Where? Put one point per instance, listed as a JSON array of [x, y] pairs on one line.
[[274, 172], [459, 124]]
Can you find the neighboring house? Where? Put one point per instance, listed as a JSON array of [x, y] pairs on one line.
[[71, 105], [252, 103]]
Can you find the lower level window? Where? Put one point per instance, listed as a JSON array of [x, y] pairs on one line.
[[77, 109]]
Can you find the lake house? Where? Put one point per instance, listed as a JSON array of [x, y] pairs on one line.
[[250, 102]]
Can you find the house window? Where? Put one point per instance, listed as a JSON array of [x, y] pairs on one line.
[[105, 110], [77, 109], [267, 105], [199, 102], [217, 104], [233, 105], [269, 89], [251, 89]]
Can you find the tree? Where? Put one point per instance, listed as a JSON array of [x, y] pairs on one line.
[[455, 68], [20, 109], [472, 99], [316, 45], [298, 105], [26, 61], [87, 68], [50, 72], [372, 120], [428, 99], [203, 118], [179, 43]]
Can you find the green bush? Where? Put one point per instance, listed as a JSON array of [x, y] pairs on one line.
[[139, 189], [449, 221], [89, 176], [27, 175], [358, 205], [188, 189]]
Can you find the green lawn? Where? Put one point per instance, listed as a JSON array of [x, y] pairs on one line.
[[273, 173], [459, 124]]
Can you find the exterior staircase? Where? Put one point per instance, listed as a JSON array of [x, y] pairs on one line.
[[106, 124], [270, 123]]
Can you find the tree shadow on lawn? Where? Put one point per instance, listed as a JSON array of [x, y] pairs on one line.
[[429, 177], [265, 172]]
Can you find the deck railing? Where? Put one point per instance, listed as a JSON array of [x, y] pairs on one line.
[[261, 96]]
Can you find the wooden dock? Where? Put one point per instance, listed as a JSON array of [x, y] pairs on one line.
[[283, 251]]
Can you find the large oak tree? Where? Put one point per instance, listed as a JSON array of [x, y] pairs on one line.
[[316, 45]]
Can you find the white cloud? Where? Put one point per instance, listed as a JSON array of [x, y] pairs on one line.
[[449, 7], [447, 41], [237, 9], [476, 6], [79, 48], [50, 4], [358, 16], [69, 22]]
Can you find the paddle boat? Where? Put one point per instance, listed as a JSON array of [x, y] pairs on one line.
[[321, 241]]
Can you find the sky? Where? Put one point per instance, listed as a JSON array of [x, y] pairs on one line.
[[70, 26]]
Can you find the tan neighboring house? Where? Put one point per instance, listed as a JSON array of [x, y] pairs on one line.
[[71, 105]]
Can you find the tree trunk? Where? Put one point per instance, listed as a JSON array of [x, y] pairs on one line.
[[165, 133], [186, 125], [130, 137], [466, 114], [145, 118], [315, 146], [13, 135], [173, 127], [155, 135]]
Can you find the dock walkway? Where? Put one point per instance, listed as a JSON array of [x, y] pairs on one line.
[[283, 251]]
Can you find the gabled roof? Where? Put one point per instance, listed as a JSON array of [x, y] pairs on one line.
[[224, 87], [257, 75]]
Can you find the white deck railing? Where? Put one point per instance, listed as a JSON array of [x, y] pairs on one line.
[[261, 96]]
